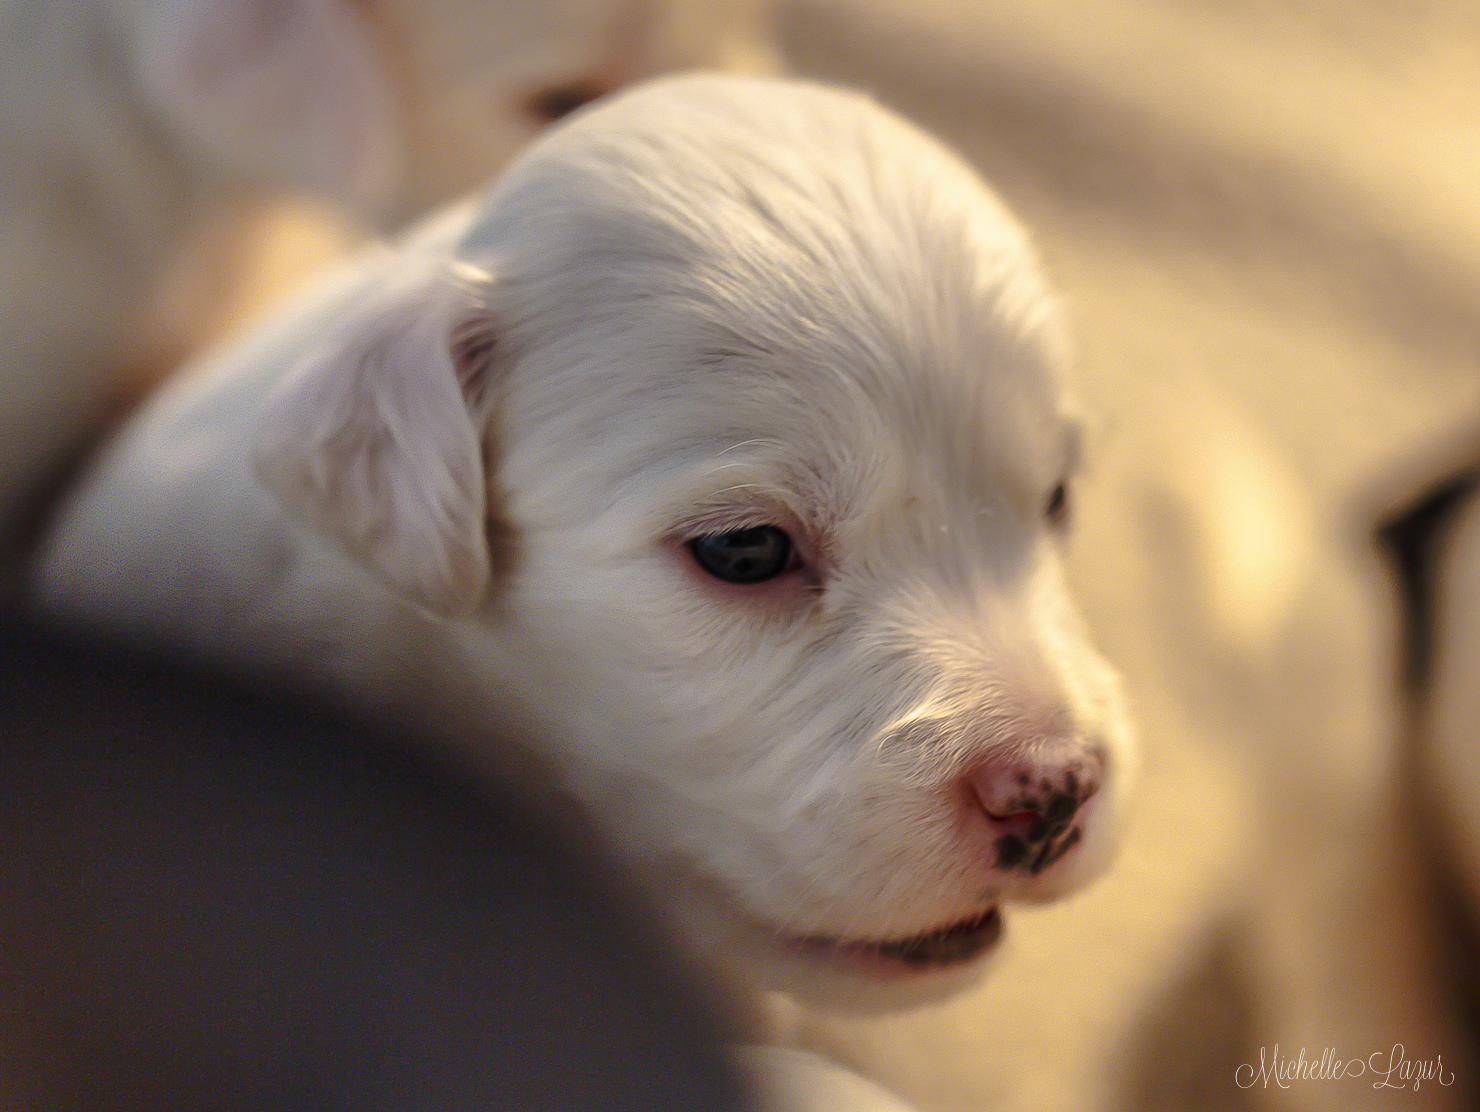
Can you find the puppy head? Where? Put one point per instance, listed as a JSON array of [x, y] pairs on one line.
[[395, 105], [765, 383]]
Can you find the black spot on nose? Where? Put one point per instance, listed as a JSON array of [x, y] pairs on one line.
[[1037, 828], [1052, 851], [1010, 851], [1061, 806]]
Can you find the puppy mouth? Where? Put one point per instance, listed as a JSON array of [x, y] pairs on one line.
[[941, 948]]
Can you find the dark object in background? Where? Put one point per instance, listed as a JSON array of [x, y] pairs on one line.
[[212, 898]]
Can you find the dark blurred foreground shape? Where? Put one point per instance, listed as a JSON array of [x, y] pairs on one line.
[[215, 898]]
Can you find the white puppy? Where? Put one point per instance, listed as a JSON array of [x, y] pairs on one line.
[[725, 443], [124, 121]]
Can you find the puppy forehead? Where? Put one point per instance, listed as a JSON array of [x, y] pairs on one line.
[[778, 262]]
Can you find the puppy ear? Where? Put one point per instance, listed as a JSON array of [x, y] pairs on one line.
[[378, 441], [291, 88]]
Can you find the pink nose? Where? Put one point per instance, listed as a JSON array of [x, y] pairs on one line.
[[1031, 802]]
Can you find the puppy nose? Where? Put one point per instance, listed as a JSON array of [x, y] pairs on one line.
[[1030, 803]]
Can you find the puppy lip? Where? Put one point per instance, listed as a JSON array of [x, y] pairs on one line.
[[940, 950], [951, 945]]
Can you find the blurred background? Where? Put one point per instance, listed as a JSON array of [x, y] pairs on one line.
[[1263, 221]]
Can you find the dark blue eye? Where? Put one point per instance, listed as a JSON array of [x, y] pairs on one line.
[[744, 555]]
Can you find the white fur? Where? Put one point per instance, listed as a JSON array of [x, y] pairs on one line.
[[707, 304], [123, 122]]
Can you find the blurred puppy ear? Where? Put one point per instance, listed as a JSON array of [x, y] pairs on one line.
[[378, 440], [289, 88]]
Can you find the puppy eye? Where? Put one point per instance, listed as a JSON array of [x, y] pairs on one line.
[[549, 105], [744, 555], [1057, 508]]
